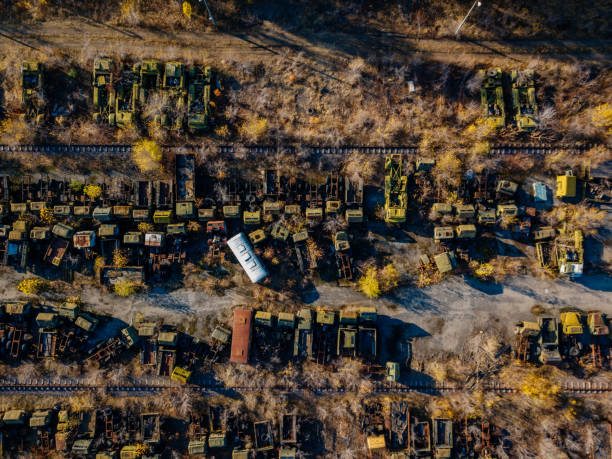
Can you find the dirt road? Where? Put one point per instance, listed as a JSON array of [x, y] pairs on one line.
[[326, 48], [450, 310]]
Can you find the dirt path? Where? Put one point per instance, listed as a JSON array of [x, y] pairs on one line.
[[326, 48], [449, 310]]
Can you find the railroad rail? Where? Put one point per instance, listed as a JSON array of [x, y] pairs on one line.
[[496, 149], [143, 389]]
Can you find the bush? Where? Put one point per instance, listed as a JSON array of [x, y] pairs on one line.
[[368, 283], [125, 288], [482, 271], [602, 117], [147, 155], [254, 128], [75, 186], [388, 278], [33, 286], [120, 258], [145, 227], [540, 387], [93, 191], [376, 282], [98, 264], [47, 216]]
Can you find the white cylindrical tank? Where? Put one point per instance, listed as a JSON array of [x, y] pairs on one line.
[[247, 258]]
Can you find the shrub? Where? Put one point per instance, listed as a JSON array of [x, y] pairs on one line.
[[75, 186], [540, 387], [120, 258], [93, 191], [75, 300], [254, 128], [33, 285], [145, 227], [47, 216], [482, 271], [602, 117], [223, 132], [125, 288], [368, 283], [98, 264], [147, 155], [388, 278]]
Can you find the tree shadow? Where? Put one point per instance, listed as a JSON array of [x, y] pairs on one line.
[[93, 22], [509, 250], [489, 288]]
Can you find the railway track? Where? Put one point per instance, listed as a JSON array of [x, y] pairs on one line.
[[497, 149], [141, 389]]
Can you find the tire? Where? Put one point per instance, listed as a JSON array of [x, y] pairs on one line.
[[574, 351]]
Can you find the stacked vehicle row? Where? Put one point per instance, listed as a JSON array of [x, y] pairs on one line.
[[119, 95]]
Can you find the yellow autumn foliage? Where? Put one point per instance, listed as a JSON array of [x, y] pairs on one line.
[[33, 285], [602, 117], [98, 264], [253, 128], [93, 191], [379, 281], [145, 227], [388, 278], [368, 283], [482, 271], [125, 288], [120, 258], [223, 131], [47, 216], [540, 387], [147, 155]]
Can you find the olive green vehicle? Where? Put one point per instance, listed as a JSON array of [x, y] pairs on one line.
[[173, 87], [122, 100], [198, 98], [102, 87], [492, 97], [524, 100], [396, 196], [33, 91], [149, 79]]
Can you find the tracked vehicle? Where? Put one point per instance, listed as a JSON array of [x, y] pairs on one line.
[[524, 100], [149, 79], [198, 98], [492, 97], [102, 87], [123, 100], [32, 91], [174, 88]]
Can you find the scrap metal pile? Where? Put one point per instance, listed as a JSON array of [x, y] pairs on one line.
[[107, 433]]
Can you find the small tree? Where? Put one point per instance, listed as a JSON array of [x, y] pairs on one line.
[[368, 283], [75, 186], [147, 155], [33, 286], [120, 258], [388, 278], [145, 227], [253, 128], [47, 216], [93, 191], [602, 118], [125, 288]]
